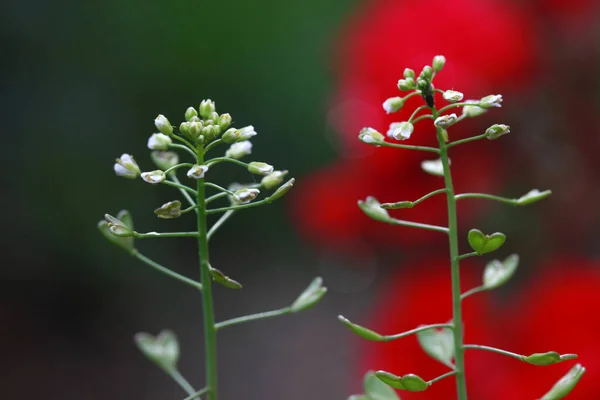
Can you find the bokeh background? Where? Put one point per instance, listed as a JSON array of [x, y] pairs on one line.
[[82, 83]]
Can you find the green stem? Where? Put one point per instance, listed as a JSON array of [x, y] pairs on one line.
[[218, 224], [453, 105], [215, 197], [182, 147], [181, 381], [467, 140], [217, 160], [253, 317], [400, 222], [494, 350], [147, 235], [174, 167], [210, 332], [467, 255], [422, 117], [391, 206], [183, 192], [212, 144], [389, 338], [180, 186], [461, 386], [416, 112], [239, 207], [219, 188], [439, 378], [408, 147], [472, 291], [166, 270], [197, 394], [512, 202]]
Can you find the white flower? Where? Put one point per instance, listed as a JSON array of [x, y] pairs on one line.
[[159, 141], [274, 179], [245, 195], [445, 121], [239, 149], [433, 167], [401, 130], [472, 111], [452, 96], [163, 125], [154, 177], [197, 171], [370, 136], [126, 167], [260, 168], [393, 104], [238, 135], [493, 100], [496, 130]]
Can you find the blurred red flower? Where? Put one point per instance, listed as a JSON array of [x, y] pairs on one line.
[[492, 49]]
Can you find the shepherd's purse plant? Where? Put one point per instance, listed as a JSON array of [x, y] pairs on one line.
[[202, 131], [444, 341]]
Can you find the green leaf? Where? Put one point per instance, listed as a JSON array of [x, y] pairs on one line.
[[532, 196], [311, 296], [548, 358], [223, 279], [497, 273], [373, 209], [566, 384], [439, 344], [375, 389], [409, 382], [163, 349], [361, 331], [485, 243]]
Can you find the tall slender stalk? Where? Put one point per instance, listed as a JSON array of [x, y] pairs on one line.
[[459, 360], [210, 332]]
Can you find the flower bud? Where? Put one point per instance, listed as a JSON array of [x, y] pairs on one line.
[[406, 84], [245, 195], [438, 63], [158, 141], [197, 171], [282, 190], [190, 113], [118, 227], [233, 135], [210, 132], [393, 104], [445, 121], [163, 125], [195, 129], [496, 130], [184, 128], [164, 159], [239, 149], [207, 107], [427, 72], [401, 130], [472, 111], [169, 210], [260, 168], [408, 73], [224, 121], [373, 209], [154, 177], [310, 296], [273, 180], [370, 136], [126, 167], [490, 101], [452, 96]]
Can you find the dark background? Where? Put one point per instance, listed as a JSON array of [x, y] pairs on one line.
[[81, 84]]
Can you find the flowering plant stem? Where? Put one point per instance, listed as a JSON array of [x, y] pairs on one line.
[[459, 359], [210, 331]]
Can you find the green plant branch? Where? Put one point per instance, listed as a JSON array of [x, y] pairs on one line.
[[179, 186], [467, 140], [210, 333], [389, 338], [182, 147], [219, 188], [453, 105], [239, 207], [197, 394], [467, 255], [183, 140], [400, 222], [175, 167], [219, 223], [390, 206], [215, 197], [512, 202], [147, 235], [422, 117], [218, 160], [472, 291], [423, 107], [183, 192], [439, 378], [461, 386], [408, 147], [253, 317], [494, 350], [166, 270], [212, 144], [181, 381]]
